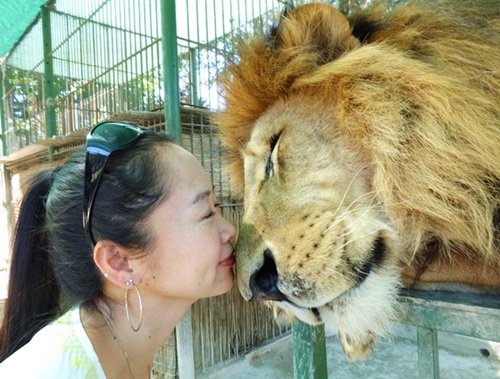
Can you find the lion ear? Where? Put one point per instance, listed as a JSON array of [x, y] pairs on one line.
[[315, 26]]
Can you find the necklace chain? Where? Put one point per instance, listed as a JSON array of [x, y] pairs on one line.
[[125, 354]]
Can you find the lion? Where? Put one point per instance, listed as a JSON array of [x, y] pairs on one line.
[[366, 151]]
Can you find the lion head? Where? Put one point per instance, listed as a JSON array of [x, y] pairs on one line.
[[367, 152]]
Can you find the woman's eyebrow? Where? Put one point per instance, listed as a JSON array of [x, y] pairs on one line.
[[201, 196]]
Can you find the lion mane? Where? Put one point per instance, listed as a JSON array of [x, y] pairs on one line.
[[414, 91]]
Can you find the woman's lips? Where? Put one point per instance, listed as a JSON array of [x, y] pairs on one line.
[[228, 262]]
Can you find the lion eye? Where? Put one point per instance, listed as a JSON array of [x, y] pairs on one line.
[[270, 169]]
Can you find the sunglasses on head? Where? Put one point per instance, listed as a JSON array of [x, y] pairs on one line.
[[103, 140]]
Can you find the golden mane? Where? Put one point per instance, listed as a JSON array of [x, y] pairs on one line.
[[420, 93]]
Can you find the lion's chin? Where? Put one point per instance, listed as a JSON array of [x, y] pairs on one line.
[[286, 313], [359, 316]]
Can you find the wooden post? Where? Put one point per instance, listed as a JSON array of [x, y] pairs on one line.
[[185, 351], [48, 74], [309, 351], [428, 353], [171, 70]]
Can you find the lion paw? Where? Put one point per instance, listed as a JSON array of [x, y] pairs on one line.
[[359, 349]]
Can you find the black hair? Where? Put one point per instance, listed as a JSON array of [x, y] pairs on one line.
[[52, 264]]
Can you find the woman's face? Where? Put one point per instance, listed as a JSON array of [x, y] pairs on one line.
[[193, 253]]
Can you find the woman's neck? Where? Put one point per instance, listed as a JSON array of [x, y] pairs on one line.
[[122, 352]]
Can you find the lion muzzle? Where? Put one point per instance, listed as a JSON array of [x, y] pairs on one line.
[[256, 269], [264, 282]]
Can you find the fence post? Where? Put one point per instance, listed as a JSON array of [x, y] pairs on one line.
[[171, 70], [172, 111], [309, 351], [428, 353], [3, 121], [184, 347], [48, 69]]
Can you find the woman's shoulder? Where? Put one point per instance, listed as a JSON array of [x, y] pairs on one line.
[[60, 347]]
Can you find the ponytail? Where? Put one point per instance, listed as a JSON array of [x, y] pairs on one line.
[[33, 293], [52, 266]]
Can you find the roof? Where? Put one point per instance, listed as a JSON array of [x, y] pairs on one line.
[[15, 19]]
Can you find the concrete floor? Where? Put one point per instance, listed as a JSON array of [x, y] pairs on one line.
[[461, 358]]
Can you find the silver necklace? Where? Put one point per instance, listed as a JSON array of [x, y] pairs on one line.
[[119, 344]]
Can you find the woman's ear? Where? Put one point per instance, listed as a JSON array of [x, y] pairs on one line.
[[113, 262]]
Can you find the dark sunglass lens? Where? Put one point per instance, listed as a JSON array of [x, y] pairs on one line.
[[115, 135]]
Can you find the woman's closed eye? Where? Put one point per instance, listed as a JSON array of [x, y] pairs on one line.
[[212, 212]]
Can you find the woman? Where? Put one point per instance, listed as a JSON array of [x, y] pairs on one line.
[[151, 243]]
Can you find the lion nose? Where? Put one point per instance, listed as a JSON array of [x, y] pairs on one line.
[[264, 282]]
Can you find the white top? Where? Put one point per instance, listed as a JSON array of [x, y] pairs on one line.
[[61, 349]]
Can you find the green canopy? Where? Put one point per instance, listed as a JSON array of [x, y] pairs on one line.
[[15, 18]]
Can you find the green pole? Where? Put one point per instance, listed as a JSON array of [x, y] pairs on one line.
[[183, 330], [50, 112], [309, 351], [7, 178], [171, 70], [193, 55], [5, 151], [428, 353]]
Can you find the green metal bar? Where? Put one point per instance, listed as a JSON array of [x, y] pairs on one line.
[[470, 315], [309, 351], [171, 70], [5, 151], [50, 113], [7, 177], [193, 70], [172, 111], [428, 353]]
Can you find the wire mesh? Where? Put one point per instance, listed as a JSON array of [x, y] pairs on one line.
[[105, 59]]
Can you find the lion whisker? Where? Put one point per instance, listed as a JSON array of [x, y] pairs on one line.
[[349, 187], [351, 240], [349, 210]]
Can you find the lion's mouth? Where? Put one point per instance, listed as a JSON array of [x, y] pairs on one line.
[[264, 282]]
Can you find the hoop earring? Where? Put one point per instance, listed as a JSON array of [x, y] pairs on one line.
[[126, 306]]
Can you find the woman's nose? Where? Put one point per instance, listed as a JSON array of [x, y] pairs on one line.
[[228, 230]]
